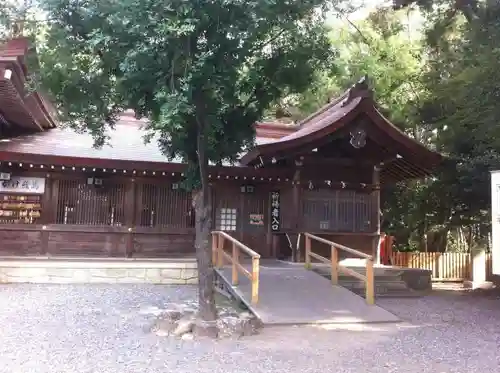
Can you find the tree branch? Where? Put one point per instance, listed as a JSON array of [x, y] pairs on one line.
[[365, 39]]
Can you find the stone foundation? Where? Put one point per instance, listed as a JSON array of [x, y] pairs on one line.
[[104, 271]]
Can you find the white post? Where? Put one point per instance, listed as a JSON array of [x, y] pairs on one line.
[[495, 222]]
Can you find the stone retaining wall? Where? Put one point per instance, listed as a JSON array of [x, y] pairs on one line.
[[98, 271]]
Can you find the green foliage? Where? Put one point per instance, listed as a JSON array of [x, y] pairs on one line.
[[382, 48], [462, 104], [200, 71], [19, 18]]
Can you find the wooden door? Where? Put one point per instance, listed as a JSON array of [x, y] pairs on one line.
[[242, 215], [255, 220]]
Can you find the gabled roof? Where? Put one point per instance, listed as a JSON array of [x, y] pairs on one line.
[[410, 159], [28, 111]]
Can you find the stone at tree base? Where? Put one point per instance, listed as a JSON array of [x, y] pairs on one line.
[[174, 315], [243, 325], [163, 327], [245, 315], [205, 329], [184, 325], [179, 320], [187, 337]]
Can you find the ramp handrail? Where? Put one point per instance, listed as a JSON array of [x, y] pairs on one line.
[[218, 256], [368, 278]]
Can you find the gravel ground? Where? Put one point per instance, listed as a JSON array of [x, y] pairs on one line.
[[104, 329]]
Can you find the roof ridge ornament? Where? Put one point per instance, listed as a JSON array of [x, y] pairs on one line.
[[360, 89]]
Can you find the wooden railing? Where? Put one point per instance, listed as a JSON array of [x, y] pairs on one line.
[[368, 278], [219, 255]]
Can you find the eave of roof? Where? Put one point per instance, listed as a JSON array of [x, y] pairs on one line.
[[36, 113], [340, 113]]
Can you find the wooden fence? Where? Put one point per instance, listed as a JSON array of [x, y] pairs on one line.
[[444, 266]]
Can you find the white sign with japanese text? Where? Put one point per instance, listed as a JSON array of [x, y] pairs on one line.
[[275, 211], [21, 184]]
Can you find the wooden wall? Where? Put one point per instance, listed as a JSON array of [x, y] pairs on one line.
[[133, 216], [125, 217]]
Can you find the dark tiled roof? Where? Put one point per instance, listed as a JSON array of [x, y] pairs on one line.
[[126, 143]]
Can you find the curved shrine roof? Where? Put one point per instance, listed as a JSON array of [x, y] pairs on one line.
[[409, 159]]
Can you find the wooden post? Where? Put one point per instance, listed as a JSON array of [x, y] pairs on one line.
[[370, 282], [297, 220], [308, 252], [255, 280], [51, 216], [235, 264], [49, 212], [334, 264], [44, 241], [214, 249], [129, 243], [220, 250], [130, 208], [376, 205]]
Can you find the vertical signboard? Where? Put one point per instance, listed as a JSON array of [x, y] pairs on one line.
[[495, 221], [275, 211]]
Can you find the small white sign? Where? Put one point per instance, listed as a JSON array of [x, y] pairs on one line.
[[20, 184], [4, 176]]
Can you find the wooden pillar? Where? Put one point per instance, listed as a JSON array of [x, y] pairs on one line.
[[52, 218], [130, 216], [376, 206], [271, 248], [49, 212], [49, 201], [297, 218]]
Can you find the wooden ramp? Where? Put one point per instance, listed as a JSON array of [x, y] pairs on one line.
[[290, 294]]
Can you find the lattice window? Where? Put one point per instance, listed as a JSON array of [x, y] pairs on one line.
[[341, 211], [227, 219], [83, 204], [166, 206]]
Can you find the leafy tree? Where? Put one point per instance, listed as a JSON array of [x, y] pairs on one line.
[[383, 47], [19, 18], [461, 103], [449, 8], [202, 72]]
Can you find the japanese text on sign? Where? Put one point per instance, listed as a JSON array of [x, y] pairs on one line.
[[19, 184], [275, 211]]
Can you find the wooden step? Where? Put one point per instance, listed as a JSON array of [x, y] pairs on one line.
[[386, 285]]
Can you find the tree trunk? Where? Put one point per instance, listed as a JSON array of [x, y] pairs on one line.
[[207, 312]]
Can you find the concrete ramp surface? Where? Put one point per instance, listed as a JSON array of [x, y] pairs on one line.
[[290, 294]]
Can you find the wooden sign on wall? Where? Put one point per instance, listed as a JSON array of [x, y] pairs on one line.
[[275, 211], [20, 184]]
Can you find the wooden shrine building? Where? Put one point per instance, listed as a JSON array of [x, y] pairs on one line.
[[61, 197]]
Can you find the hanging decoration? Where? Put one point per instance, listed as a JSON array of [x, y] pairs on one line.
[[248, 185]]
